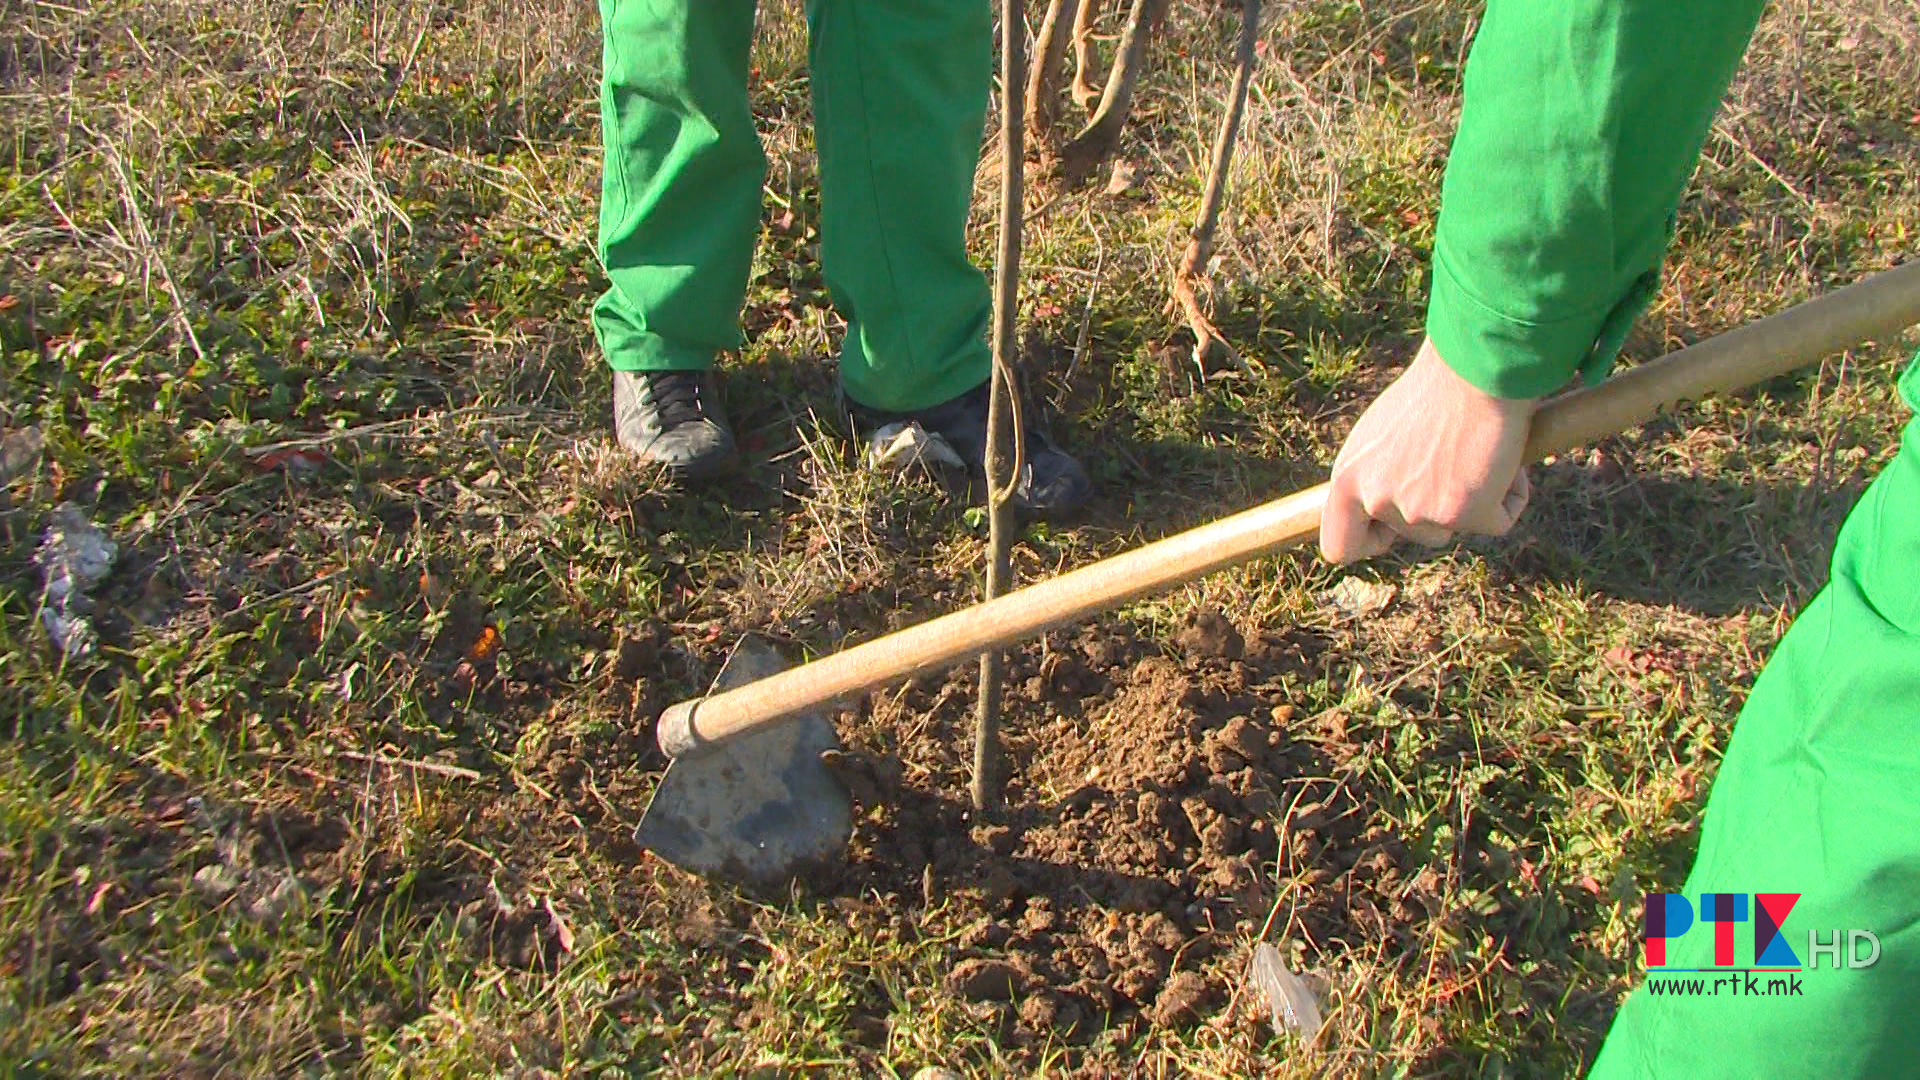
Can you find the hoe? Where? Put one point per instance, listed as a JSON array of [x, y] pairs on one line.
[[747, 796]]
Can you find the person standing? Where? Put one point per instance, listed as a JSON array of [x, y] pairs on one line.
[[899, 100]]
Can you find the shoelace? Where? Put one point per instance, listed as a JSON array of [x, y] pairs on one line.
[[676, 397]]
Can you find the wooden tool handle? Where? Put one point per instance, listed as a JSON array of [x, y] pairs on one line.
[[1880, 306]]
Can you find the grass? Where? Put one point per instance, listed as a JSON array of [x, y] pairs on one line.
[[348, 785]]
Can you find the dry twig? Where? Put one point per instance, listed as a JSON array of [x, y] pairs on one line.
[[1085, 63]]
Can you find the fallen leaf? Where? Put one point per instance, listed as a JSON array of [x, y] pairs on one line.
[[303, 461], [485, 645], [561, 931], [433, 590]]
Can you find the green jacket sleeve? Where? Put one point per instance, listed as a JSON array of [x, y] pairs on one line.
[[1580, 124]]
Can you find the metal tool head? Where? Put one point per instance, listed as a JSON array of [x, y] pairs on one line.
[[759, 809]]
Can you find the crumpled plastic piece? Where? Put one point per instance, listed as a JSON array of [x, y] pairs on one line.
[[20, 453], [1289, 1000], [1358, 598], [905, 444], [74, 556]]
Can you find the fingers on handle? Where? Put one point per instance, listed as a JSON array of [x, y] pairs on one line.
[[1512, 505], [1347, 532], [1425, 533]]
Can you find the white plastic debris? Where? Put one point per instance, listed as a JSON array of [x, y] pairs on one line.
[[1288, 998], [74, 556], [905, 444], [20, 453], [1358, 598]]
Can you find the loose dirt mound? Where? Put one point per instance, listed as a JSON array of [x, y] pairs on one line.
[[1138, 842]]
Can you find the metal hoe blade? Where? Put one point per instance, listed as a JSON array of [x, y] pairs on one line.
[[758, 809]]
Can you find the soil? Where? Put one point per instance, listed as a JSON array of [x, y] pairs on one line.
[[1132, 863], [1155, 794]]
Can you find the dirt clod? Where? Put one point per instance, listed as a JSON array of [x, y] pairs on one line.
[[983, 980], [1180, 1001], [1048, 1012], [1211, 636], [1137, 836], [639, 651]]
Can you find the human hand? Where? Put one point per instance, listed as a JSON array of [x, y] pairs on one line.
[[1433, 456]]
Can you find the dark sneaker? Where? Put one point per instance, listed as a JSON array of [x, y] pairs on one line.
[[951, 439], [672, 418]]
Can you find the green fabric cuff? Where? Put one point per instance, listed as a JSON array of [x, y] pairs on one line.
[[1520, 358], [628, 349], [1910, 384]]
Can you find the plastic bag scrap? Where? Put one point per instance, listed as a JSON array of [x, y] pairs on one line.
[[902, 445], [74, 556], [1291, 1003], [1358, 598]]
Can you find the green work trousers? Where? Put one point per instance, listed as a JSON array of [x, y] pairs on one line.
[[1819, 794], [899, 98]]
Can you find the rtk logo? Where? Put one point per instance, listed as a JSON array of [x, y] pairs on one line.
[[1669, 916]]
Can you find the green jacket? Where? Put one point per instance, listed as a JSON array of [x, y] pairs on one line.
[[1581, 123]]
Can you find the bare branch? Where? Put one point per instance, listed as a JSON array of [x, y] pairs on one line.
[[1049, 62], [1089, 148], [1085, 61]]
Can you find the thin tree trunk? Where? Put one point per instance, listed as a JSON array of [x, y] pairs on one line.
[[989, 774], [1193, 265]]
